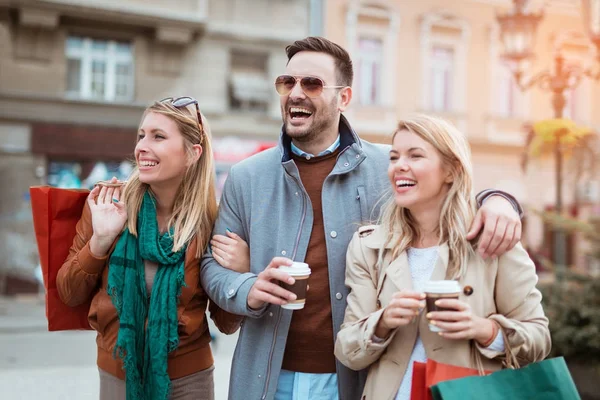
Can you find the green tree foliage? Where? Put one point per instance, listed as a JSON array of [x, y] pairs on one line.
[[572, 300]]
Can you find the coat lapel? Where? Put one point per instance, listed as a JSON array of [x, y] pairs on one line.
[[399, 272], [441, 265]]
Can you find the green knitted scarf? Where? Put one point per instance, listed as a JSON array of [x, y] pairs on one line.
[[144, 350]]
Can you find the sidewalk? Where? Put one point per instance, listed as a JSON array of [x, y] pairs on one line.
[[20, 314], [37, 364]]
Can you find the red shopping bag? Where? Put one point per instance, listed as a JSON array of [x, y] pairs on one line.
[[55, 215], [418, 390], [425, 375]]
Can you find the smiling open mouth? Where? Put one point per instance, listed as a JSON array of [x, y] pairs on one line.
[[300, 113], [405, 183]]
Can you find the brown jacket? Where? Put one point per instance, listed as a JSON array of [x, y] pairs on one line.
[[84, 275], [503, 289]]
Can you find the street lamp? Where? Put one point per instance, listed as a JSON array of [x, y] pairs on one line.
[[517, 33]]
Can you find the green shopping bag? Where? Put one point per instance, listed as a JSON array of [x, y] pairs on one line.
[[545, 380]]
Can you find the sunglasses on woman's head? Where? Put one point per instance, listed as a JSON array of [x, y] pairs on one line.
[[310, 85], [181, 102]]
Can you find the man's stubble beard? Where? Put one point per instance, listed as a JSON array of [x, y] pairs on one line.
[[320, 124]]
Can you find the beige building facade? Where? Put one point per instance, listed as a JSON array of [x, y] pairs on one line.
[[76, 75], [443, 57]]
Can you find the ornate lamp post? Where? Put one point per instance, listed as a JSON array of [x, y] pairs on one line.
[[517, 32]]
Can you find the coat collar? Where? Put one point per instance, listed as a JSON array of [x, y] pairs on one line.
[[398, 269], [374, 237]]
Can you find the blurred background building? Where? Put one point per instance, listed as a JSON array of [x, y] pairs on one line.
[[444, 58], [75, 76]]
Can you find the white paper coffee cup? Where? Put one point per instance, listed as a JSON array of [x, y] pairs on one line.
[[300, 272], [436, 290]]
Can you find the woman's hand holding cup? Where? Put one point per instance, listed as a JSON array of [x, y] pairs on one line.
[[402, 309], [459, 323], [109, 216]]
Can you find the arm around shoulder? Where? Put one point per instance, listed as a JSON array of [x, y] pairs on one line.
[[520, 313], [81, 272], [354, 346]]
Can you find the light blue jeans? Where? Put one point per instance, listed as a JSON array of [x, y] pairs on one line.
[[305, 386]]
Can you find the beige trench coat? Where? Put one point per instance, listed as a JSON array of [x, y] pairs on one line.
[[502, 289]]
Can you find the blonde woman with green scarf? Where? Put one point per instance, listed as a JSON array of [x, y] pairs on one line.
[[137, 253]]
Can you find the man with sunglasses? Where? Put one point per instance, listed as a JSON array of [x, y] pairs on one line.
[[303, 201]]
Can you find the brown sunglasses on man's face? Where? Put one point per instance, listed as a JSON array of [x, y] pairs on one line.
[[310, 85], [185, 101]]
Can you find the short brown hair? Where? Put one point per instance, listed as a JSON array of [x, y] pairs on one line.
[[343, 63]]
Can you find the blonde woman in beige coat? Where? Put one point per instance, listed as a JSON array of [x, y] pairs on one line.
[[422, 236]]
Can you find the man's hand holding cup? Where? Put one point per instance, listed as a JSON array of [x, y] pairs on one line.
[[266, 289]]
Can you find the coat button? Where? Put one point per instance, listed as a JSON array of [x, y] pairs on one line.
[[468, 290], [270, 314], [333, 234], [283, 252], [346, 164], [231, 292], [338, 296]]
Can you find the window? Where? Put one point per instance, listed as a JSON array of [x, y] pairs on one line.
[[249, 88], [442, 77], [99, 69], [372, 35], [570, 110], [507, 101], [578, 99], [444, 42], [578, 54], [370, 70], [574, 95], [508, 92]]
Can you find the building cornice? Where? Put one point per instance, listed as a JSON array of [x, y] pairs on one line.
[[19, 106], [114, 11], [251, 33], [554, 7], [35, 108]]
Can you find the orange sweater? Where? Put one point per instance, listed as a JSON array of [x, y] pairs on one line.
[[84, 275]]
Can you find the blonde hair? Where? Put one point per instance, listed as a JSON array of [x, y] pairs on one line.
[[458, 209], [195, 206]]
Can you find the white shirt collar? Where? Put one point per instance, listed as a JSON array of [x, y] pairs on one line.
[[308, 156]]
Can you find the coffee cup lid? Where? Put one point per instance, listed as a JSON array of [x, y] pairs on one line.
[[296, 269], [447, 286]]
